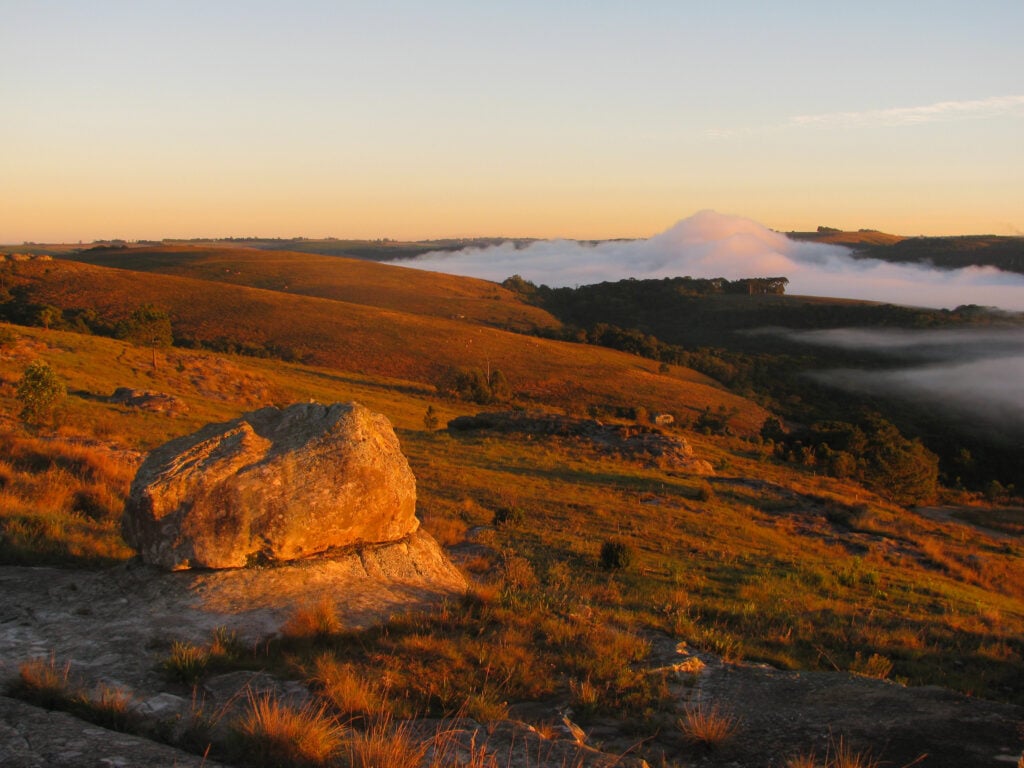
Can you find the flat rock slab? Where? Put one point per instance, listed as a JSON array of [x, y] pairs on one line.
[[116, 625], [782, 713], [37, 738]]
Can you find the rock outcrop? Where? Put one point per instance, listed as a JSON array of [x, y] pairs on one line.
[[633, 441], [145, 400], [272, 485]]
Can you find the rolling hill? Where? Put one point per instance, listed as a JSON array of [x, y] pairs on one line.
[[335, 277], [955, 252], [771, 559], [375, 340]]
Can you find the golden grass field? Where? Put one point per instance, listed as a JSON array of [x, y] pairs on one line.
[[778, 564], [765, 561]]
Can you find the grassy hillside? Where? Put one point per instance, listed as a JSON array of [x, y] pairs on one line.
[[358, 338], [1005, 253], [765, 560], [862, 238], [332, 277]]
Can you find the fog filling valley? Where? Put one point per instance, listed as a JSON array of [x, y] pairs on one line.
[[974, 373], [710, 244]]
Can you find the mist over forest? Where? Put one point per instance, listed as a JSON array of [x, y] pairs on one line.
[[710, 244]]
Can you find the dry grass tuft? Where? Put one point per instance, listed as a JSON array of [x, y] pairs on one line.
[[839, 755], [342, 685], [186, 662], [45, 684], [710, 728], [316, 620], [111, 709], [274, 734], [446, 751], [386, 744], [876, 666], [842, 755]]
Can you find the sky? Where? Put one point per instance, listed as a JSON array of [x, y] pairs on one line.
[[146, 119]]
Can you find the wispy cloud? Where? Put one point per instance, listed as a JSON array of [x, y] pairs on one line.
[[929, 113], [940, 111]]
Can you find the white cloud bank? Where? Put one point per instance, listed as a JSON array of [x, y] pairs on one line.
[[710, 244]]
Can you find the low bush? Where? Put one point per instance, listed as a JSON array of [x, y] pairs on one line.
[[616, 555]]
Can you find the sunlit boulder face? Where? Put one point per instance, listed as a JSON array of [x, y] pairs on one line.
[[272, 485]]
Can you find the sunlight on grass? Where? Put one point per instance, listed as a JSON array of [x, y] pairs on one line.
[[275, 734], [710, 727]]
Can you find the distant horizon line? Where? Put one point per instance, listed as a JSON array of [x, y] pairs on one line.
[[449, 238]]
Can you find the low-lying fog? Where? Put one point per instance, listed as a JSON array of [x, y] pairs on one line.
[[974, 373], [711, 244]]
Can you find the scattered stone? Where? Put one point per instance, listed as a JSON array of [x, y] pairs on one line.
[[273, 485], [145, 400], [636, 441]]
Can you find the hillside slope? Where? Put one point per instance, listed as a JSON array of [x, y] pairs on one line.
[[334, 277], [368, 340], [953, 252]]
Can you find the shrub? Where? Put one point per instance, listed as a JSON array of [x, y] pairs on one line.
[[39, 390], [517, 574], [508, 516], [616, 555], [705, 492], [473, 385]]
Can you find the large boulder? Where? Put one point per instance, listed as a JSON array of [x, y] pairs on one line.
[[272, 485]]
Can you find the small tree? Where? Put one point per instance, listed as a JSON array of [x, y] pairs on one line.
[[430, 419], [49, 316], [39, 391], [148, 326]]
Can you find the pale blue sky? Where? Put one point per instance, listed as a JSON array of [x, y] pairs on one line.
[[601, 119]]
